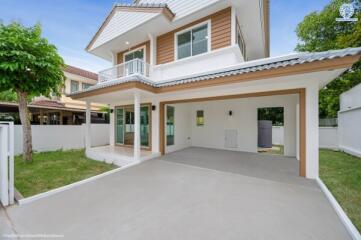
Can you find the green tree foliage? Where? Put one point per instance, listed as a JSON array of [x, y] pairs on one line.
[[8, 96], [29, 66], [274, 114], [319, 31]]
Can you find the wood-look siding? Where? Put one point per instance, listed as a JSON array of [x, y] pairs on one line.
[[220, 35], [120, 56]]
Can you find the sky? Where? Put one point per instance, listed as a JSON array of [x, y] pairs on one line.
[[70, 24]]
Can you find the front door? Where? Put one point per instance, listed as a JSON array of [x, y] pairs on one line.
[[124, 128]]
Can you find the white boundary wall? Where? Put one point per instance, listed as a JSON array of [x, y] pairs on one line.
[[349, 124], [56, 137], [328, 137], [349, 118]]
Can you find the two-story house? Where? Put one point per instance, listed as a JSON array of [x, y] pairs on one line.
[[61, 110], [193, 74]]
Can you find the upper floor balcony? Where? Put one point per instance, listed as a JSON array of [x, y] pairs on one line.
[[135, 66]]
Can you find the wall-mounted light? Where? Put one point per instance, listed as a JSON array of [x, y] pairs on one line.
[[127, 42], [111, 110], [154, 107], [230, 113]]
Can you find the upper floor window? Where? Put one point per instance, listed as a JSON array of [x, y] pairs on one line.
[[74, 86], [240, 41], [85, 86], [191, 42]]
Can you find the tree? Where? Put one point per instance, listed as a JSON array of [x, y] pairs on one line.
[[29, 66], [319, 31], [8, 96]]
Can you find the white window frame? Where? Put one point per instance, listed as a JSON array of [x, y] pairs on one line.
[[137, 49], [134, 50], [209, 39]]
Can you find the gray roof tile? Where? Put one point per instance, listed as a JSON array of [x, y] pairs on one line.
[[246, 67]]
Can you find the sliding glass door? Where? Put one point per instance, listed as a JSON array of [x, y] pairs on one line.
[[124, 129]]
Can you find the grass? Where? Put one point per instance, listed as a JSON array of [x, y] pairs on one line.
[[51, 170], [342, 175]]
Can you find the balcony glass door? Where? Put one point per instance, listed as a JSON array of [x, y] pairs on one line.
[[134, 62], [125, 125]]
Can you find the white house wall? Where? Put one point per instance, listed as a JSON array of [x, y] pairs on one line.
[[243, 119], [217, 59]]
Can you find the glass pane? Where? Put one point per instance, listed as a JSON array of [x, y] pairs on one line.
[[119, 125], [170, 126], [200, 118], [74, 86], [184, 45], [139, 54], [129, 121], [200, 40], [128, 57], [86, 86], [144, 125]]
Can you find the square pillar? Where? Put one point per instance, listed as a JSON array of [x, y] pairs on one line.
[[312, 144], [137, 126], [88, 126]]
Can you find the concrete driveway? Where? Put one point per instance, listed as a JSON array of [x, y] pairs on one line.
[[170, 199]]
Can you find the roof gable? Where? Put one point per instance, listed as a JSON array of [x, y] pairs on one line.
[[124, 17], [181, 8]]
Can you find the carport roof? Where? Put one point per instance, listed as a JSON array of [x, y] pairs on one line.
[[282, 62]]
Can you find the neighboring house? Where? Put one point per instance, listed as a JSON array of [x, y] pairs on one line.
[[193, 73], [62, 110]]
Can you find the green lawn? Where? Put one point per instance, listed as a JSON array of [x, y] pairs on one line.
[[342, 175], [55, 169]]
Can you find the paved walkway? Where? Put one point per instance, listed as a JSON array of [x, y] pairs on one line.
[[165, 199], [5, 224]]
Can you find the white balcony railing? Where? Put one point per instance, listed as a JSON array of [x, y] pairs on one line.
[[136, 66]]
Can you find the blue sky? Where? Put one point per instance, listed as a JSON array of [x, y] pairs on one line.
[[70, 24]]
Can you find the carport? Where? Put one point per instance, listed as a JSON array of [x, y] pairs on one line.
[[229, 123]]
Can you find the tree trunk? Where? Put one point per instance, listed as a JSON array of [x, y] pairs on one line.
[[25, 121]]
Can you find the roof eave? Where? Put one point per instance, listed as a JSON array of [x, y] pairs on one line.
[[341, 62]]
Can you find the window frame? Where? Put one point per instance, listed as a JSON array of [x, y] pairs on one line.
[[198, 123], [82, 85], [71, 84], [242, 45], [134, 50], [209, 39], [173, 124]]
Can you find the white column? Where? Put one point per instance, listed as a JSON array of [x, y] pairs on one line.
[[137, 126], [114, 58], [290, 128], [88, 126], [4, 177], [112, 126], [312, 131], [153, 52]]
